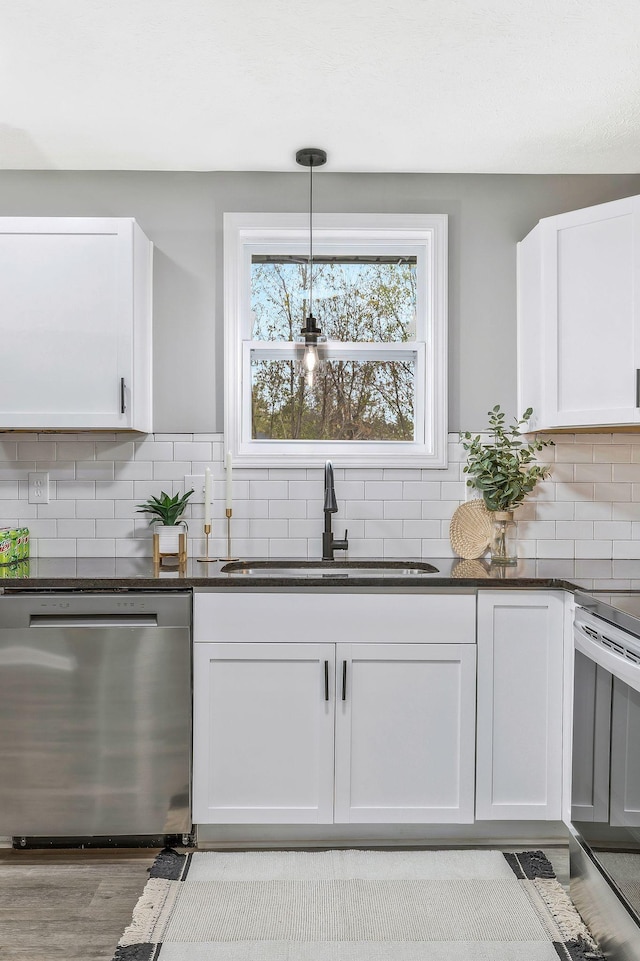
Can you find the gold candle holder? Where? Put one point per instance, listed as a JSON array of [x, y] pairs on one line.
[[229, 513], [206, 559]]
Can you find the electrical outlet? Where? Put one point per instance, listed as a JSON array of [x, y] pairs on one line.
[[195, 481], [39, 487]]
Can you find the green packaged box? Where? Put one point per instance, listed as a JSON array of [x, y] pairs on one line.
[[19, 569], [14, 544]]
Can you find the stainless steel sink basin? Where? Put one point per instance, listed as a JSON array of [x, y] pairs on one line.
[[329, 569]]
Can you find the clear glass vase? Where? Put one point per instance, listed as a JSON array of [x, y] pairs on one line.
[[504, 538]]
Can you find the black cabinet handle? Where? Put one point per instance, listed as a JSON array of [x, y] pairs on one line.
[[344, 680], [638, 388], [123, 405], [326, 680]]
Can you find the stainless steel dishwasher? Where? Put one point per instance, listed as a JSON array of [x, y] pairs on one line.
[[95, 714]]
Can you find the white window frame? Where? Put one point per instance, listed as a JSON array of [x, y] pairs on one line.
[[422, 235]]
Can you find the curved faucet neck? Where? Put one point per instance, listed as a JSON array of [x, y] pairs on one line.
[[330, 503]]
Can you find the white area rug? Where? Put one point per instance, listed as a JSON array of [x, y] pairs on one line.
[[355, 906]]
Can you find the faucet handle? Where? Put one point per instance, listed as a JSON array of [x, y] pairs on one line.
[[341, 545]]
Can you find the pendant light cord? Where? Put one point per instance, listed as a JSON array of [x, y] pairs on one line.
[[311, 240]]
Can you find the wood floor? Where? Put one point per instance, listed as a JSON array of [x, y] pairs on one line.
[[68, 904]]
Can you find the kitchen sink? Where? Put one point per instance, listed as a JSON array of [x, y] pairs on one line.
[[329, 569]]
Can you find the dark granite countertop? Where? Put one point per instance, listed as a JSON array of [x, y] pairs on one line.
[[84, 573]]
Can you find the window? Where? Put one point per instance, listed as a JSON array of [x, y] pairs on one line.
[[379, 295]]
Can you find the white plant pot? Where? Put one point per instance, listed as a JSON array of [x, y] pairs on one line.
[[169, 538], [170, 541]]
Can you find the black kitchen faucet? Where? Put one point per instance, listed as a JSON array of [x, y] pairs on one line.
[[329, 543]]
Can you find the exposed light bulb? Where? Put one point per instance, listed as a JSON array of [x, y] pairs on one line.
[[310, 358]]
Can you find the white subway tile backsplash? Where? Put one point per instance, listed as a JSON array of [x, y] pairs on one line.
[[132, 470], [364, 510], [8, 450], [152, 450], [404, 510], [381, 490], [56, 508], [423, 491], [382, 528], [589, 548], [119, 450], [612, 492], [61, 470], [612, 453], [423, 529], [114, 490], [288, 547], [55, 547], [592, 511], [95, 508], [113, 527], [288, 509], [596, 473], [268, 490], [75, 450], [95, 547], [402, 547], [73, 527], [573, 453], [616, 530], [90, 470], [16, 470], [75, 490], [171, 470], [588, 508]]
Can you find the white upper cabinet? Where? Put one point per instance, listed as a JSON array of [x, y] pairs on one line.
[[75, 324], [579, 318]]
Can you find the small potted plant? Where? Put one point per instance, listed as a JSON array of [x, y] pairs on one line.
[[504, 470], [170, 533]]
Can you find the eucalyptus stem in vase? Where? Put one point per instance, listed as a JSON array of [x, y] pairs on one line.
[[504, 470]]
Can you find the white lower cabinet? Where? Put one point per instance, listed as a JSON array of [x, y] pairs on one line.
[[263, 733], [520, 691], [405, 726], [333, 732]]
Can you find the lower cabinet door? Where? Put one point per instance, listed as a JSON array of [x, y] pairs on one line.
[[405, 733], [520, 684], [263, 733]]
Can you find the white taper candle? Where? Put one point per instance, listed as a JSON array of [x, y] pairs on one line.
[[207, 496], [228, 500]]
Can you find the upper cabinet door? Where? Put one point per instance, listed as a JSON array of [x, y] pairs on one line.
[[75, 324], [579, 317]]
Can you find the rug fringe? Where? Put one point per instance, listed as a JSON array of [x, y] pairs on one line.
[[564, 913], [151, 912]]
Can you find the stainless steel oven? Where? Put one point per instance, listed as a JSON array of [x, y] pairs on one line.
[[605, 787]]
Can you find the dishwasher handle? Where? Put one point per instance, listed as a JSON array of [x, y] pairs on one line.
[[93, 620]]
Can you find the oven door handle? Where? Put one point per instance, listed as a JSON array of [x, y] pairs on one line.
[[616, 664]]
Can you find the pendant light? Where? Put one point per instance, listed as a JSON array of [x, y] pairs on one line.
[[310, 335]]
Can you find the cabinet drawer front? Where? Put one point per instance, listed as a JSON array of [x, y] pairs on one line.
[[320, 617]]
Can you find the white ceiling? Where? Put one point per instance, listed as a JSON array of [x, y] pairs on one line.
[[483, 86]]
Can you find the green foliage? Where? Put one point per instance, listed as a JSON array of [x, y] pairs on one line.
[[164, 508], [504, 470]]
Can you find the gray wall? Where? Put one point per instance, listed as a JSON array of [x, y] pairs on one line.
[[182, 215]]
